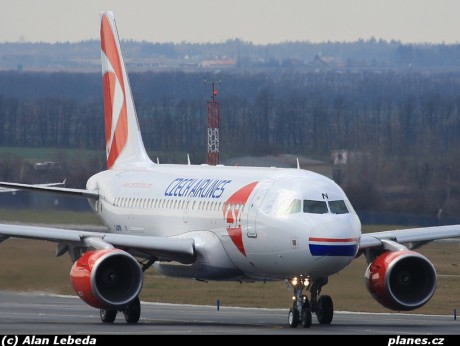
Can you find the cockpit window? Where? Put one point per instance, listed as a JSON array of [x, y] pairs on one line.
[[292, 206], [314, 207], [338, 207], [289, 207], [295, 207]]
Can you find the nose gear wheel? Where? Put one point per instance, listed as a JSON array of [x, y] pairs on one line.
[[302, 307]]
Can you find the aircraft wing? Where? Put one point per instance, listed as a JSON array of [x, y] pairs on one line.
[[173, 249], [50, 188], [416, 236]]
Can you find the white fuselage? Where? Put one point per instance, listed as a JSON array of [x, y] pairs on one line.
[[247, 223]]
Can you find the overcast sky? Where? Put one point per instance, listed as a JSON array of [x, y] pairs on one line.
[[259, 21]]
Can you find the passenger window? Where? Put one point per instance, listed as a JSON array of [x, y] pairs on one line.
[[338, 207], [314, 207]]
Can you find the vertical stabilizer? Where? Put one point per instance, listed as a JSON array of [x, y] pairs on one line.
[[124, 146]]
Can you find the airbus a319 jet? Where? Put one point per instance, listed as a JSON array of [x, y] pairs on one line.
[[220, 223]]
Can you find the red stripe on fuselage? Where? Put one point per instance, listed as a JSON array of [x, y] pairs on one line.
[[334, 240], [233, 217], [236, 234]]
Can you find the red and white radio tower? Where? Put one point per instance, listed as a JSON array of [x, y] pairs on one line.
[[213, 129]]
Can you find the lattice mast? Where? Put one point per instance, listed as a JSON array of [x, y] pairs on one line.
[[213, 128]]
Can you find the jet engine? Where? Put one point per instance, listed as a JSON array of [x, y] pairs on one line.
[[401, 280], [109, 278]]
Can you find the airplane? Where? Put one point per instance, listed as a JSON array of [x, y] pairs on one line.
[[206, 222]]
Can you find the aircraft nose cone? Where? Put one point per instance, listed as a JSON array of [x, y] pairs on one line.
[[334, 238]]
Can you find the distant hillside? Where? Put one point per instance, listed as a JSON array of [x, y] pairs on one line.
[[232, 55]]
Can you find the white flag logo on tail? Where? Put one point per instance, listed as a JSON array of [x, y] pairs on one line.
[[116, 120]]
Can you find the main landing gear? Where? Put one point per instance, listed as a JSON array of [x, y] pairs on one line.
[[132, 312], [302, 307]]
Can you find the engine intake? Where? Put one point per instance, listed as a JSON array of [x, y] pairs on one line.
[[109, 278], [401, 280]]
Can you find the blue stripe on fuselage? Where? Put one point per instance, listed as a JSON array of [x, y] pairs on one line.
[[333, 250]]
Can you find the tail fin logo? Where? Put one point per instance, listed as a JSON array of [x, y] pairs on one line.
[[115, 110]]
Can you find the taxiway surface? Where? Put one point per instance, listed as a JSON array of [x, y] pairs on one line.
[[31, 313]]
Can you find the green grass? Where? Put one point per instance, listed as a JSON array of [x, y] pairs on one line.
[[49, 217], [53, 154], [47, 154], [381, 228]]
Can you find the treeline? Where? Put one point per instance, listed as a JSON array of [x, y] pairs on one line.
[[403, 128], [310, 114], [85, 55]]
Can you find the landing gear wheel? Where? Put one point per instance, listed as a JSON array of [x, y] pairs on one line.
[[325, 310], [133, 311], [293, 318], [305, 317], [108, 315]]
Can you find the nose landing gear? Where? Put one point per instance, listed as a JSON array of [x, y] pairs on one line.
[[302, 307], [300, 311]]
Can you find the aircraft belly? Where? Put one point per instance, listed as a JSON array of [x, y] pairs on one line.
[[212, 261], [199, 271]]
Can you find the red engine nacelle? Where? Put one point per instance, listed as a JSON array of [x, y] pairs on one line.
[[401, 280], [106, 278]]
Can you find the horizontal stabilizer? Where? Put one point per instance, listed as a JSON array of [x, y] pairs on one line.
[[51, 189]]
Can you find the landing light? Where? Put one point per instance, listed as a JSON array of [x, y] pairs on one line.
[[294, 282]]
